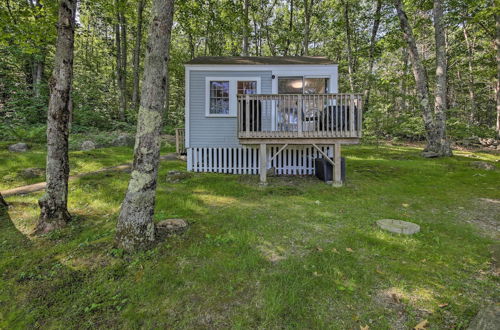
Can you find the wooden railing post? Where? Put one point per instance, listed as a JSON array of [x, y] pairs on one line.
[[300, 109], [351, 115], [247, 115]]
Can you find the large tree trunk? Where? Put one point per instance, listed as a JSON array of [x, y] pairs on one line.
[[440, 145], [54, 212], [432, 134], [308, 7], [135, 228], [350, 66], [371, 54], [497, 89], [137, 54]]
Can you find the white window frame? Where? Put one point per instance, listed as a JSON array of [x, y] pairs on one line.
[[233, 89]]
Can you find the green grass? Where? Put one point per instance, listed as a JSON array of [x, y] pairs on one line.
[[13, 164], [294, 254]]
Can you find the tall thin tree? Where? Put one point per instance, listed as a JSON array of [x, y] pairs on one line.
[[441, 143], [371, 53], [54, 204], [436, 139], [135, 228], [497, 89], [137, 54]]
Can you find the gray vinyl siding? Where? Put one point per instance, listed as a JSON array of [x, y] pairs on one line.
[[217, 131]]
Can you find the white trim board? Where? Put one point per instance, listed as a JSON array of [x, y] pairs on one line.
[[233, 89], [187, 129]]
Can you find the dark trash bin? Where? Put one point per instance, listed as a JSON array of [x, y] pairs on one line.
[[324, 170]]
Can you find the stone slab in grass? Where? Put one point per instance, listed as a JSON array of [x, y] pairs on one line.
[[398, 226]]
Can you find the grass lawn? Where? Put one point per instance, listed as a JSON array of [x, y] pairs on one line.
[[295, 254]]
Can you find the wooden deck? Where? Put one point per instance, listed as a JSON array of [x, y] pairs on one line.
[[299, 119], [314, 119]]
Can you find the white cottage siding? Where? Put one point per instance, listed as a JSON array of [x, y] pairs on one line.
[[216, 131]]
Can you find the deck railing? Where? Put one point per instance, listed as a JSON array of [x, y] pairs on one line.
[[299, 116]]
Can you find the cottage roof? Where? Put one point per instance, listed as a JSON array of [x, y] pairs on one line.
[[261, 60]]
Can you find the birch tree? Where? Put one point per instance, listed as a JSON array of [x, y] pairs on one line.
[[435, 128], [135, 228], [54, 204]]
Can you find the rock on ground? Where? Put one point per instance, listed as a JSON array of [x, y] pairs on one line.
[[169, 227], [124, 141], [177, 176], [18, 147], [483, 166], [430, 154], [488, 318], [87, 145], [398, 226], [32, 172]]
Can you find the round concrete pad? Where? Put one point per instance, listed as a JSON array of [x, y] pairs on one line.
[[398, 226]]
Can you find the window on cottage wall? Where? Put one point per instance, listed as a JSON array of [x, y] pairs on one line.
[[247, 87], [302, 85], [219, 97]]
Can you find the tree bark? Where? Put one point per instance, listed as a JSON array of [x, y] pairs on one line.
[[371, 53], [121, 58], [290, 29], [54, 212], [137, 54], [433, 135], [38, 68], [308, 6], [3, 203], [246, 30], [497, 89], [470, 85], [441, 142], [135, 228], [349, 47]]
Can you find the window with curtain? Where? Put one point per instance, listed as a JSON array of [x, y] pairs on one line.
[[301, 85], [219, 97], [247, 87]]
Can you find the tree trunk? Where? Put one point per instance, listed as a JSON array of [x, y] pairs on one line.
[[54, 212], [135, 228], [121, 58], [38, 68], [307, 24], [137, 55], [441, 143], [3, 203], [290, 30], [470, 85], [349, 47], [246, 30], [421, 81], [497, 89], [371, 54]]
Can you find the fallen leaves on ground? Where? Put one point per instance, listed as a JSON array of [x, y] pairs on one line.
[[421, 325]]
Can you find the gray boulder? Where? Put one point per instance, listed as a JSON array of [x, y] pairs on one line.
[[487, 318], [124, 141], [32, 172], [87, 145], [430, 154], [484, 166], [169, 227], [18, 147]]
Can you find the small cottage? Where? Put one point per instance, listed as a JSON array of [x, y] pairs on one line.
[[252, 115]]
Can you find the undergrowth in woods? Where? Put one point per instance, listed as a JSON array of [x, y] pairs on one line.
[[297, 253]]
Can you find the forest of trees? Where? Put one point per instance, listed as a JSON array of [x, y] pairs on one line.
[[365, 37]]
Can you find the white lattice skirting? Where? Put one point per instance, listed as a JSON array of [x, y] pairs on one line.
[[294, 160]]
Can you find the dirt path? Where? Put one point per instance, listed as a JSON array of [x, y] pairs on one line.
[[41, 185]]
